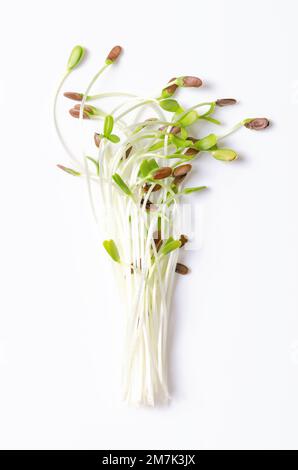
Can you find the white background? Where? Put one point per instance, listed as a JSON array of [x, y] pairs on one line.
[[234, 347]]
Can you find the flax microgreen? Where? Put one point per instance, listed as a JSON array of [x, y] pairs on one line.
[[137, 191]]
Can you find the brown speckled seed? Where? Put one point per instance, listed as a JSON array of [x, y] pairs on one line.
[[182, 170], [181, 268], [162, 173]]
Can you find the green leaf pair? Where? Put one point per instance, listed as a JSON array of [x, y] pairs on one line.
[[111, 248], [108, 128]]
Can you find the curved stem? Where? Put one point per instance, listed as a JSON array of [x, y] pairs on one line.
[[56, 124], [109, 95], [86, 168]]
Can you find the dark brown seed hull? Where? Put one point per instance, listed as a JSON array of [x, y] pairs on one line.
[[183, 239], [172, 88], [182, 170], [162, 173], [156, 187], [192, 82], [87, 108], [225, 102], [178, 179], [73, 95], [96, 139], [257, 124], [76, 113], [174, 130], [191, 151], [114, 53], [127, 153], [181, 269]]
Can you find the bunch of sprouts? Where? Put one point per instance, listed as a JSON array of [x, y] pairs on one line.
[[136, 179]]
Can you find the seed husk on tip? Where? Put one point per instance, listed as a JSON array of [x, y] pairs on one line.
[[69, 170], [76, 113], [225, 102], [170, 90], [149, 205], [73, 95], [128, 151], [157, 235], [156, 187], [162, 173], [183, 239], [257, 124], [178, 179], [191, 151], [113, 54], [189, 81], [174, 130], [133, 267], [182, 170], [157, 239], [88, 108], [97, 139], [181, 269], [158, 244]]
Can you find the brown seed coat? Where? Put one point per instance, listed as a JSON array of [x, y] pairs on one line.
[[156, 187], [76, 113], [225, 102], [182, 170], [181, 268], [178, 179], [73, 95], [183, 239], [162, 173], [114, 53], [191, 151], [257, 124], [174, 130], [89, 109], [192, 81], [127, 152], [96, 139], [172, 88]]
